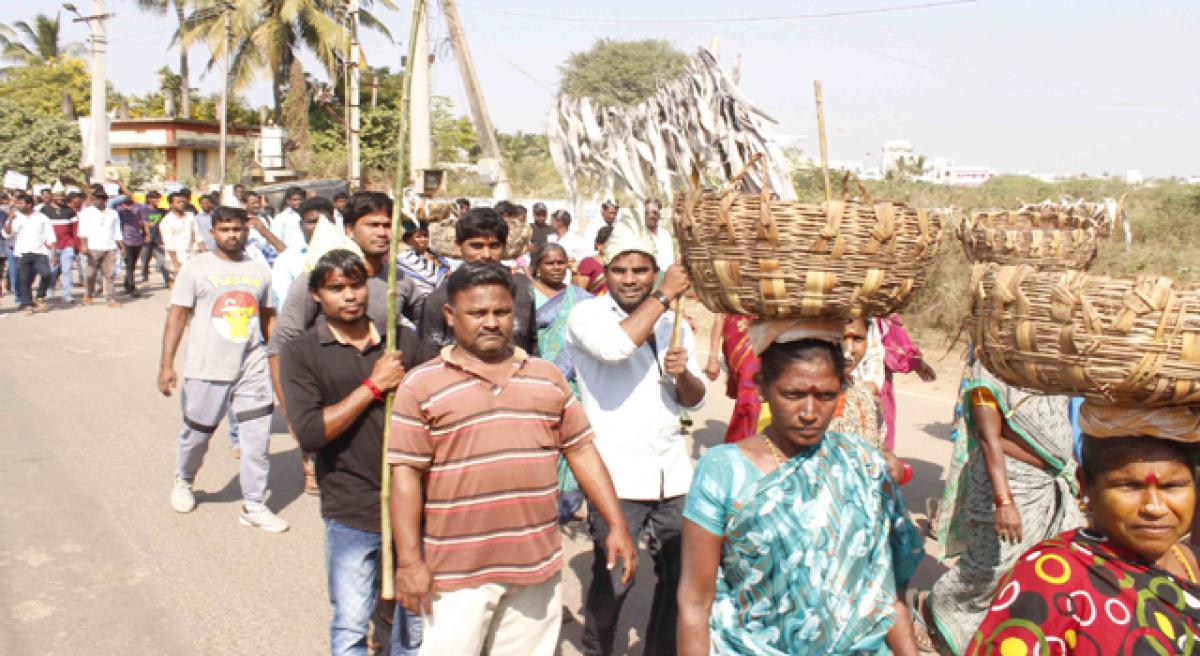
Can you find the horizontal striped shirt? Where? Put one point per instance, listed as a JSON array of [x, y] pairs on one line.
[[489, 452]]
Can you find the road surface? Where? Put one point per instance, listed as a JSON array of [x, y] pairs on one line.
[[93, 559]]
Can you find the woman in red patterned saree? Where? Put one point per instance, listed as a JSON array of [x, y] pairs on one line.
[[1126, 586], [730, 340]]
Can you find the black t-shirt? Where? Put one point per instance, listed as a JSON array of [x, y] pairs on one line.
[[318, 372], [540, 232]]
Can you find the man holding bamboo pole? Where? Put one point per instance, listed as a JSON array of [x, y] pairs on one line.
[[335, 375], [474, 444], [634, 363]]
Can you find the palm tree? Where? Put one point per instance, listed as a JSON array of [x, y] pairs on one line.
[[162, 7], [35, 44], [269, 34]]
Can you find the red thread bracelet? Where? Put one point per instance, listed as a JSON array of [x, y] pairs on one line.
[[375, 391]]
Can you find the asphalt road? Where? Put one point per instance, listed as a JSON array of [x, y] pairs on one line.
[[93, 560]]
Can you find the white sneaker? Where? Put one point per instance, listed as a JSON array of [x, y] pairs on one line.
[[262, 517], [182, 499]]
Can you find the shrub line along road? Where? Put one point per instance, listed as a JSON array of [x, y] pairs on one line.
[[92, 557]]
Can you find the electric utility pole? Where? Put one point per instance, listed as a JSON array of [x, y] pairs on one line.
[[98, 133], [479, 113], [355, 154]]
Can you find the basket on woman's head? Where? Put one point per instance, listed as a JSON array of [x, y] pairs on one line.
[[753, 254], [1047, 236], [1121, 341]]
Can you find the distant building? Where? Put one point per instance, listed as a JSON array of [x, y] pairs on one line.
[[896, 150], [189, 148], [1134, 177]]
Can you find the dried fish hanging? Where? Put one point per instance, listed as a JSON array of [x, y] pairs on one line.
[[700, 121]]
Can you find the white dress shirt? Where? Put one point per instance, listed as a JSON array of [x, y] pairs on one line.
[[101, 228], [631, 403], [287, 267], [286, 226], [31, 234], [574, 245], [664, 243]]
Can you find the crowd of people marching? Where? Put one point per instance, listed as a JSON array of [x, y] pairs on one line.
[[529, 381]]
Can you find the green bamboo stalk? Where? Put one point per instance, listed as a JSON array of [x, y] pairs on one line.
[[388, 576]]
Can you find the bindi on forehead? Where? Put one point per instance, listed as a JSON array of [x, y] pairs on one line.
[[1152, 478]]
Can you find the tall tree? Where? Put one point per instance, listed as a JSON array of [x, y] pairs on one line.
[[162, 8], [615, 72], [269, 34], [39, 43]]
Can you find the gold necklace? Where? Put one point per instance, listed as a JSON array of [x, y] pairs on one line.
[[775, 451], [1184, 561]]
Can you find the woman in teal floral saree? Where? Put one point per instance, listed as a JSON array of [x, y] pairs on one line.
[[796, 540]]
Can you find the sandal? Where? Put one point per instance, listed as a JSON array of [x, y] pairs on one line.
[[921, 634]]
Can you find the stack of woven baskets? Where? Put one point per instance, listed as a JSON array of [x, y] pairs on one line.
[[755, 255], [1042, 322]]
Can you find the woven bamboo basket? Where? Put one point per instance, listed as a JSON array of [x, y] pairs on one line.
[[441, 238], [750, 254], [1049, 237], [1116, 340]]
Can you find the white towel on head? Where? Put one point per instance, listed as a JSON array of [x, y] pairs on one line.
[[629, 235], [762, 334], [328, 237]]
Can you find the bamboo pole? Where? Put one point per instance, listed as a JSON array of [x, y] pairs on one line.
[[387, 557], [821, 136]]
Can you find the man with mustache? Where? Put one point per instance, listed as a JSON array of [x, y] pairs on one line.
[[481, 235], [474, 447], [634, 385]]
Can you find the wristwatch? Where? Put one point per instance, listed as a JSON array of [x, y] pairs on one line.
[[661, 298]]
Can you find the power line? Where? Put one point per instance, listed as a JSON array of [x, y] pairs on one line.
[[699, 21], [1063, 94], [1053, 85]]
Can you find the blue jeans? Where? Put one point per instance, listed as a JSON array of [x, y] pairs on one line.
[[63, 270], [352, 560], [13, 269]]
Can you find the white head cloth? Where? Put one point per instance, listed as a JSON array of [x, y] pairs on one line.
[[763, 334], [629, 235], [326, 237]]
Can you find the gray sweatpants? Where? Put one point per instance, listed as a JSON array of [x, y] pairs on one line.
[[205, 403]]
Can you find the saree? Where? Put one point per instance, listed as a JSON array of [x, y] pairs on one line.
[[965, 522], [1080, 593], [551, 316], [858, 414], [813, 558], [742, 364]]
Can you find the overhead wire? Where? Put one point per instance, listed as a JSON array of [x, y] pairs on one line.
[[1062, 95], [988, 67], [698, 21]]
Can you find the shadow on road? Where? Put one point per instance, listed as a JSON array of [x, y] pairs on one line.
[[939, 429], [285, 483]]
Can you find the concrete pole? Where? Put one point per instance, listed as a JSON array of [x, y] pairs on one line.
[[355, 173], [420, 130], [99, 132], [479, 113], [224, 105]]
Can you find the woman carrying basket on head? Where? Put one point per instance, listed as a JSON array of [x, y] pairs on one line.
[[1011, 485], [1129, 584], [771, 520]]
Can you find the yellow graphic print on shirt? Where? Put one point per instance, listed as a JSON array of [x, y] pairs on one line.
[[235, 316]]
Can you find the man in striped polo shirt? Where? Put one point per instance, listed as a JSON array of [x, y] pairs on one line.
[[476, 435]]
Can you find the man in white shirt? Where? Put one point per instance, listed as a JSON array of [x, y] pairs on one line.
[[663, 241], [290, 264], [608, 217], [572, 243], [261, 241], [633, 386], [178, 228], [100, 239], [286, 224], [32, 238]]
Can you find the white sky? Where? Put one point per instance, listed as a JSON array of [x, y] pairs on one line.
[[1066, 86]]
